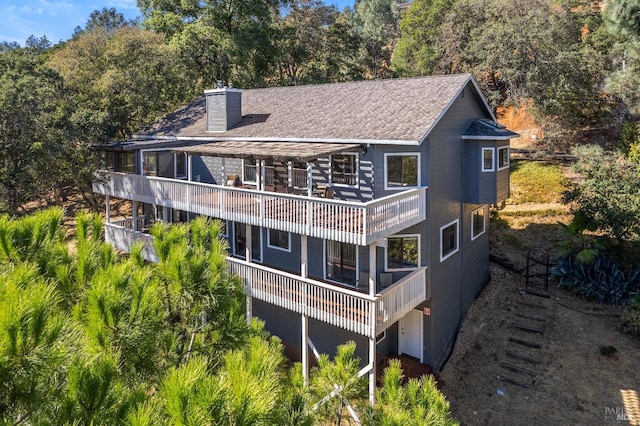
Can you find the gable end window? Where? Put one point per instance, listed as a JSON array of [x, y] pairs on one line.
[[344, 169], [449, 240], [402, 252], [503, 157], [477, 223], [401, 170], [488, 163]]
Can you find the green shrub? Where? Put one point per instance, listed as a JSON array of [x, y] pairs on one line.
[[630, 320], [600, 280]]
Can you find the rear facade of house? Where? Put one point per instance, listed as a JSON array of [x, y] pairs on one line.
[[354, 211]]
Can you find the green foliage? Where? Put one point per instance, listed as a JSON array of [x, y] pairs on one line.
[[600, 280], [630, 320], [629, 136], [228, 40], [33, 334], [622, 21], [336, 383], [417, 51], [122, 79], [377, 25], [33, 127], [419, 402], [317, 45], [608, 197]]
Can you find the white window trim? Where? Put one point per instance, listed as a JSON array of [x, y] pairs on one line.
[[508, 159], [342, 185], [400, 154], [484, 223], [448, 255], [288, 250], [225, 229], [244, 177], [386, 253], [324, 263], [493, 159]]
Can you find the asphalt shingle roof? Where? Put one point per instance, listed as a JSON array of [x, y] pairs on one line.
[[371, 110]]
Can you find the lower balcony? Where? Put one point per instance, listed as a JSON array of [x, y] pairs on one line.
[[348, 309]]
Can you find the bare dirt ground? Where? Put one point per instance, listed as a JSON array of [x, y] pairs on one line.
[[563, 363]]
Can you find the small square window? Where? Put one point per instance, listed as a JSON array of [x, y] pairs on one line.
[[403, 252], [503, 157], [477, 223], [449, 240], [487, 160]]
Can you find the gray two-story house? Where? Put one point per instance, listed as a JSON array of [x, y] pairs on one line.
[[354, 211]]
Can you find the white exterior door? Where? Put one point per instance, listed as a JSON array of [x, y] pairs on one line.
[[411, 334]]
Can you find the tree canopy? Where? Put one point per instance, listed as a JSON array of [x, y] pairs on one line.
[[88, 336]]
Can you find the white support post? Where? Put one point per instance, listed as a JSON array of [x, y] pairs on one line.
[[262, 182], [248, 253], [372, 319], [309, 179], [134, 211], [189, 167], [108, 208], [305, 350], [304, 270]]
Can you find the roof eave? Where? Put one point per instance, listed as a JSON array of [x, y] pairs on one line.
[[453, 99]]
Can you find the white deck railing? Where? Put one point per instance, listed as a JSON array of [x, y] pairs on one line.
[[324, 302], [345, 221]]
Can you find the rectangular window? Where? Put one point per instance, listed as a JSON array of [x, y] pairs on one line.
[[487, 160], [344, 169], [181, 165], [503, 157], [477, 223], [165, 164], [250, 170], [449, 240], [299, 174], [341, 262], [280, 240], [402, 252], [149, 163], [109, 160], [402, 171], [240, 243], [126, 162]]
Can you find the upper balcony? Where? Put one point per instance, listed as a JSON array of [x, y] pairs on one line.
[[360, 223]]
